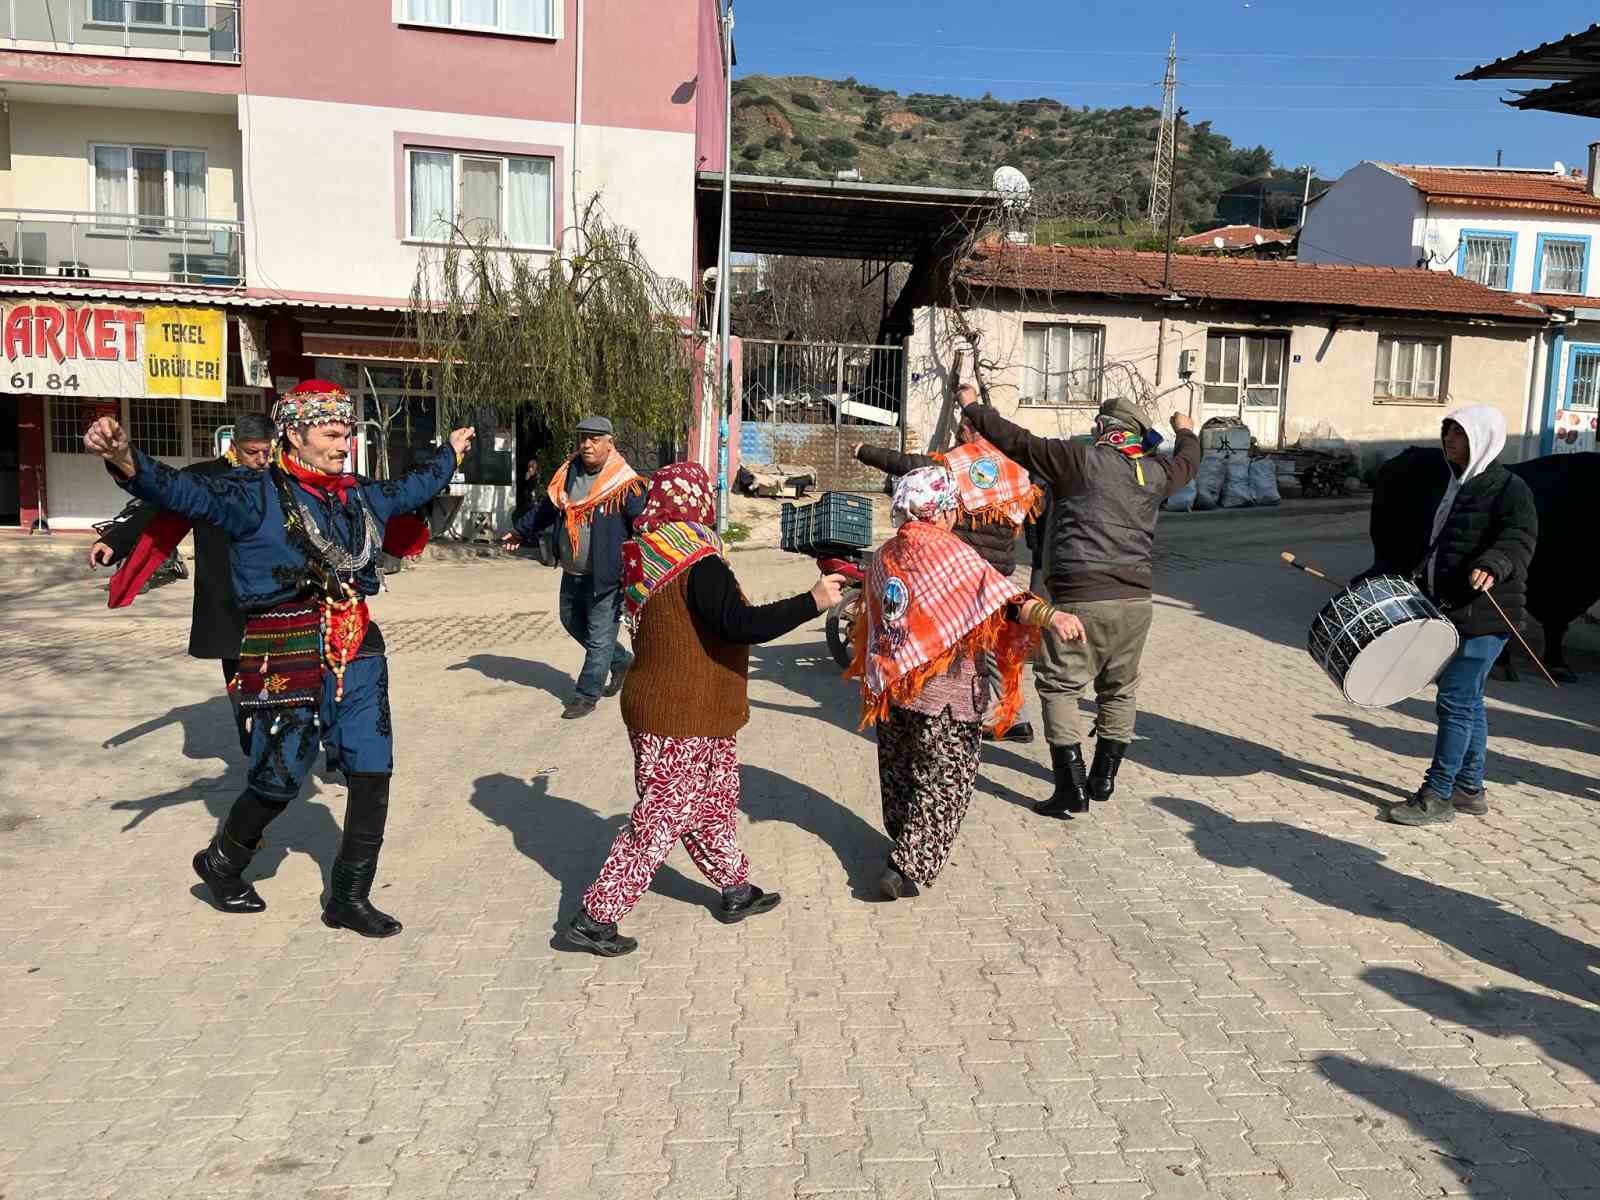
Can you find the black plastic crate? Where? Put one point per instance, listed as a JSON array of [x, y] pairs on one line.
[[838, 521]]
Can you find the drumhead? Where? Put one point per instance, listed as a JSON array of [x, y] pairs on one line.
[[1399, 663]]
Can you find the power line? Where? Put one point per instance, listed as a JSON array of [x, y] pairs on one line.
[[1285, 55]]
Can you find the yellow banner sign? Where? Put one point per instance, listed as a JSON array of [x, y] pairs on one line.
[[186, 353]]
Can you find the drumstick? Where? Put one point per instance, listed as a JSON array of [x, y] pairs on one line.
[[1518, 635], [1310, 570]]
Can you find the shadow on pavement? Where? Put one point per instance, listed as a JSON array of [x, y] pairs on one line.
[[1179, 748], [208, 730], [807, 668], [1491, 1153], [1502, 767], [860, 846], [1563, 1031], [568, 839], [1352, 877], [525, 672]]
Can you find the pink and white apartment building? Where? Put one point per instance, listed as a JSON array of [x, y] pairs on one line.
[[270, 171]]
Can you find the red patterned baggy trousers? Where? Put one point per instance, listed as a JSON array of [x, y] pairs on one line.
[[688, 790]]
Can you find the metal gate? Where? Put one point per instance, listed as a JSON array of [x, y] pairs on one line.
[[808, 403]]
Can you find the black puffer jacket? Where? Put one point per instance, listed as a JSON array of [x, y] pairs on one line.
[[1493, 527], [995, 541]]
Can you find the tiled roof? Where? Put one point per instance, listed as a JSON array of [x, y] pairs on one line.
[[1236, 237], [1075, 270], [1491, 187]]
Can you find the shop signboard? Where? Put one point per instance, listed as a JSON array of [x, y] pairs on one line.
[[93, 350]]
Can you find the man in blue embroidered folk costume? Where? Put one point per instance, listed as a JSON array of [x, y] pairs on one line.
[[306, 544]]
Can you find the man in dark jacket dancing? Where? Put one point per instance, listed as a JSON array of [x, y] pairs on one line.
[[1483, 534], [1105, 500], [216, 625]]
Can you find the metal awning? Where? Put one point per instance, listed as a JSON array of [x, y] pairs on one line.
[[1574, 59], [365, 349], [825, 218], [216, 297]]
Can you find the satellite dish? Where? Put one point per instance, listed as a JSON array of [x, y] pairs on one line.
[[1259, 239], [1218, 242], [1560, 167], [1013, 186]]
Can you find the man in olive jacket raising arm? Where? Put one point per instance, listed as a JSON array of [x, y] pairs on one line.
[[1106, 497]]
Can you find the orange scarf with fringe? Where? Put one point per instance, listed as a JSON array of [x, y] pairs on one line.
[[929, 599], [992, 487], [608, 493]]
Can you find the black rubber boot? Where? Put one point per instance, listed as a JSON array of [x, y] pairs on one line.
[[739, 903], [598, 937], [221, 864], [357, 865], [1103, 774], [1072, 781]]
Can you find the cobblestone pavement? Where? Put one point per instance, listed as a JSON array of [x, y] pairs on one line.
[[1232, 981]]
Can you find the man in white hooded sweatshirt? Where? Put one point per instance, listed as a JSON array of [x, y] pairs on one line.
[[1482, 538]]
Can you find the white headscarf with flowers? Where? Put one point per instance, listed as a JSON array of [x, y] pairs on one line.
[[923, 495]]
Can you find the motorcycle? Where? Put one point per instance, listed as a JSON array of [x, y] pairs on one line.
[[842, 617]]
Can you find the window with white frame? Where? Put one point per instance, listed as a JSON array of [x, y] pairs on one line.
[[165, 14], [495, 197], [1486, 259], [1061, 365], [530, 18], [1243, 370], [1409, 369], [1561, 265], [161, 188]]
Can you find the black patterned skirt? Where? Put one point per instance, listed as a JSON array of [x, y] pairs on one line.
[[926, 770]]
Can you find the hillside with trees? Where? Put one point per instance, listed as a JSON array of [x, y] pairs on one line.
[[1090, 167]]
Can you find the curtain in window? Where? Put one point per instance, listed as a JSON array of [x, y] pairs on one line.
[[428, 10], [432, 196], [188, 184], [528, 208], [527, 16], [479, 12], [150, 183], [1427, 370], [1489, 261], [480, 197], [1035, 381], [111, 179], [1563, 267]]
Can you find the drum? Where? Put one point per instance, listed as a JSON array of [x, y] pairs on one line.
[[1381, 641]]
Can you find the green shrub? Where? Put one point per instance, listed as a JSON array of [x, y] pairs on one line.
[[806, 101], [776, 142], [838, 147], [751, 152]]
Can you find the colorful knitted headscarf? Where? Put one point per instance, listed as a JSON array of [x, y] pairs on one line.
[[314, 402], [676, 530], [923, 494]]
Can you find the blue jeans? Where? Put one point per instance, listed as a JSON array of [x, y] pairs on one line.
[[356, 733], [1460, 751], [593, 619]]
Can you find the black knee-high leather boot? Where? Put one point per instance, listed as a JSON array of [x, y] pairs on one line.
[[357, 865], [221, 864]]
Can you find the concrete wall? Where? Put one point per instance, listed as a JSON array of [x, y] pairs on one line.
[[1368, 216], [1327, 383], [1440, 230], [50, 165]]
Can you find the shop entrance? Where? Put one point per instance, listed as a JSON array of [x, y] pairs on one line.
[[10, 466]]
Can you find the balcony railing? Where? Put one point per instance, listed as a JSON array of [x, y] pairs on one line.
[[149, 28], [50, 243]]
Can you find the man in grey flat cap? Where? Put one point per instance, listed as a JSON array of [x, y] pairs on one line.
[[592, 501]]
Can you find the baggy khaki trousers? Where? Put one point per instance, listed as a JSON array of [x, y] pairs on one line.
[[1108, 658]]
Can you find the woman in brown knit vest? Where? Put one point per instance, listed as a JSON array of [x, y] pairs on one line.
[[684, 702]]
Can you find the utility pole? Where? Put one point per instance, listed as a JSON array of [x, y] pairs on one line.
[[724, 240], [1172, 179], [1166, 143]]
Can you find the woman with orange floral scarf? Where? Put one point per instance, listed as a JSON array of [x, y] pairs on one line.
[[933, 606]]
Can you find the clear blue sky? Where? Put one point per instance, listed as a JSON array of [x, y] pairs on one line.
[[1326, 83]]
